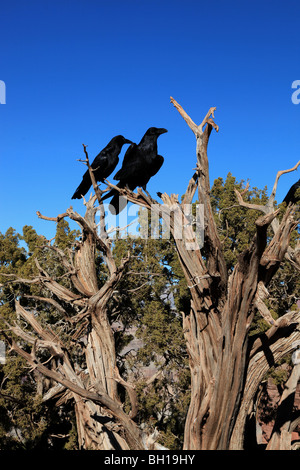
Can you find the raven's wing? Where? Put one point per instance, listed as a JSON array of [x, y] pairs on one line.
[[156, 165], [291, 195], [104, 164], [131, 163], [100, 161], [83, 187], [99, 166]]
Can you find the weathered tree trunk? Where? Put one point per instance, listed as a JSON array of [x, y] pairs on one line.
[[222, 311], [263, 354], [223, 305], [281, 435], [101, 422]]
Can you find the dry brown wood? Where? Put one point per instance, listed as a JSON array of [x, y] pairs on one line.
[[225, 370], [222, 309], [281, 434], [279, 174], [99, 395], [265, 352], [218, 347]]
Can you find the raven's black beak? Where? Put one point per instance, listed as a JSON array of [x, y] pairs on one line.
[[126, 141], [161, 131]]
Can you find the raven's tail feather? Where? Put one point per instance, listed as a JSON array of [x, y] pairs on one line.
[[111, 193], [117, 204], [83, 187]]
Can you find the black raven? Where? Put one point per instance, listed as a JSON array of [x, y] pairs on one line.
[[103, 165], [291, 195], [140, 163]]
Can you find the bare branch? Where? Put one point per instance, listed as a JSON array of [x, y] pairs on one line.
[[96, 188], [139, 198], [198, 130], [266, 351], [105, 292], [269, 206], [47, 335], [185, 116], [130, 388], [58, 289], [279, 174], [208, 120], [48, 300], [21, 280], [191, 189], [276, 332], [53, 219], [260, 296], [100, 397], [249, 205], [281, 434]]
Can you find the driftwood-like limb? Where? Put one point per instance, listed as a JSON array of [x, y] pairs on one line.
[[281, 434], [287, 322], [278, 246], [88, 284], [140, 198], [92, 323], [249, 205], [50, 339], [133, 434], [106, 291], [130, 388], [191, 189], [53, 219], [279, 174], [196, 129], [58, 289], [13, 278], [53, 391], [266, 351], [260, 296], [291, 255], [185, 116], [96, 188], [214, 254], [209, 120], [269, 206]]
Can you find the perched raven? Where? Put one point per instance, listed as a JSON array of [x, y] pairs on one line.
[[291, 195], [103, 165], [140, 163]]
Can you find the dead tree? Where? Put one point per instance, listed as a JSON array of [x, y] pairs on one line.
[[102, 422], [226, 369]]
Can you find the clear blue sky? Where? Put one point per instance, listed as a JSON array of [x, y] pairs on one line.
[[82, 71]]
